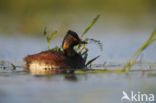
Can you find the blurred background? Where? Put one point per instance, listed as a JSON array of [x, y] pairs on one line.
[[123, 26], [29, 17]]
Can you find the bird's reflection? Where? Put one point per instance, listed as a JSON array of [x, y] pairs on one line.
[[70, 77]]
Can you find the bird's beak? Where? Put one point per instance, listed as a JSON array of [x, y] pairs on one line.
[[82, 42]]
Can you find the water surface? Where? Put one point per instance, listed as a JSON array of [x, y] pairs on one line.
[[20, 87]]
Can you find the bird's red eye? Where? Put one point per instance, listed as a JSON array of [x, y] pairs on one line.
[[75, 39]]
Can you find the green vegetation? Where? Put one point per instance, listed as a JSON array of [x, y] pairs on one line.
[[7, 65], [90, 26], [98, 71], [81, 49], [49, 36], [29, 16], [134, 57], [13, 66], [127, 66]]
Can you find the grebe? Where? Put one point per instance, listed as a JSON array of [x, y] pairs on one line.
[[56, 61]]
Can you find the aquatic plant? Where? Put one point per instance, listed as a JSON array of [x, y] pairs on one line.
[[7, 65], [127, 66], [84, 71], [49, 36], [90, 25], [81, 49]]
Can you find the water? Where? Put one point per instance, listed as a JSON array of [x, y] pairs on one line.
[[118, 46], [123, 27], [88, 88], [20, 87]]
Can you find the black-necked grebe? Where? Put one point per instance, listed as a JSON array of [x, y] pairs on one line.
[[57, 61]]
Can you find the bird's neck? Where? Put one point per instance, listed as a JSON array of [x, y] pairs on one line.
[[70, 52]]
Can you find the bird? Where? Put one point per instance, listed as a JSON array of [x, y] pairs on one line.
[[51, 61]]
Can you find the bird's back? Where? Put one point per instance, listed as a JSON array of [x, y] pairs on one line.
[[52, 61]]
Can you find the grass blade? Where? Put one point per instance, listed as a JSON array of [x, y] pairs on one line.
[[90, 25], [85, 57], [49, 36], [90, 61], [127, 66], [53, 35]]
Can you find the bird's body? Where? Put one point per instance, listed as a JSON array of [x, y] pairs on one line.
[[56, 61]]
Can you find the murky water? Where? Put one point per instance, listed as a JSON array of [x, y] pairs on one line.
[[20, 87]]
